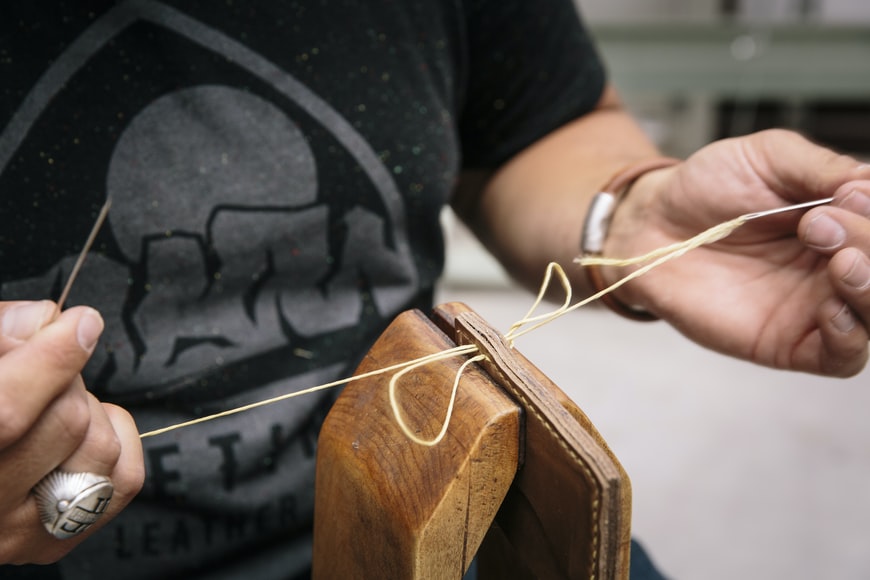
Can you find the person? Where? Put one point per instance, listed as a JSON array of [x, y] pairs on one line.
[[277, 170]]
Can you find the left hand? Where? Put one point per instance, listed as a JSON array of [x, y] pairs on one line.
[[789, 291], [50, 421]]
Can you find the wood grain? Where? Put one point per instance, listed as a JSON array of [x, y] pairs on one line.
[[386, 507], [521, 465], [568, 513]]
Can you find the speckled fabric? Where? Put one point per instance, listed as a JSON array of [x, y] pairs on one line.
[[277, 170]]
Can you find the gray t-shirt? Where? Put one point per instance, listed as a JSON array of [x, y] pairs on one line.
[[277, 171]]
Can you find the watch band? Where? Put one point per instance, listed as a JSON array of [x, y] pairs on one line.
[[597, 225]]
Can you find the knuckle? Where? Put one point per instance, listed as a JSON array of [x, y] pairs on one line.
[[128, 475], [779, 132], [13, 423], [849, 363], [128, 481], [63, 355], [74, 416], [106, 442]]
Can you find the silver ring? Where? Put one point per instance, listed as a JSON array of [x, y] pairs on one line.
[[69, 503]]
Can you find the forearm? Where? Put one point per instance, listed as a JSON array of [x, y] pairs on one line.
[[531, 211]]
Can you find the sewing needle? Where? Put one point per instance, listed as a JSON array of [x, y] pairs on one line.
[[81, 259], [806, 204]]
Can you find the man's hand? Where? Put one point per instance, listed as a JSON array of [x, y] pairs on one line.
[[49, 420], [789, 291]]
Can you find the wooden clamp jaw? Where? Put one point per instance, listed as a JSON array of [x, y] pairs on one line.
[[522, 474]]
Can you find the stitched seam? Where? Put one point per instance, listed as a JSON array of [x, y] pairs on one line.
[[596, 500]]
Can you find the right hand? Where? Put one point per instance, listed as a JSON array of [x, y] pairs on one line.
[[48, 420], [763, 294]]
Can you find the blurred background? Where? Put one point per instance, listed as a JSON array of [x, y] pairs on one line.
[[738, 471]]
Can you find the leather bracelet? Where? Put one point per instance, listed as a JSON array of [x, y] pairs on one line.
[[597, 225]]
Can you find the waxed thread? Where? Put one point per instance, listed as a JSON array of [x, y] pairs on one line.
[[709, 236], [442, 355], [528, 323], [92, 236], [520, 328], [397, 413]]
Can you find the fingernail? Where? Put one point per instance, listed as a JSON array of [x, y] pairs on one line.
[[89, 330], [21, 322], [858, 276], [844, 320], [857, 202], [824, 233]]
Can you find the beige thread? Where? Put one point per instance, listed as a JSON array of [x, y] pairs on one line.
[[422, 360], [92, 236], [714, 234], [520, 328], [525, 325], [394, 403]]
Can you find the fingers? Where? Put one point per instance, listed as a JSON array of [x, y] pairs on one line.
[[47, 419], [843, 350], [113, 448], [846, 222], [849, 271], [818, 173], [128, 474], [53, 437], [41, 368], [854, 197], [100, 447], [21, 320], [842, 232], [110, 447]]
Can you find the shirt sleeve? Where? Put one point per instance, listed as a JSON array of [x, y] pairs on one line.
[[531, 67]]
